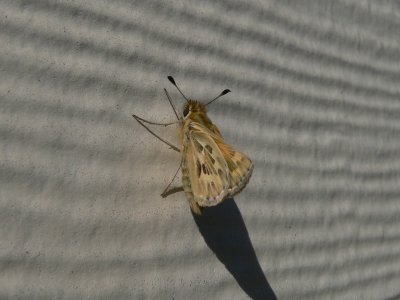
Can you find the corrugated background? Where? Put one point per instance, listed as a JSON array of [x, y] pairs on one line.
[[314, 102]]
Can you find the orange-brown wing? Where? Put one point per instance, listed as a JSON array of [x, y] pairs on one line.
[[208, 170], [239, 165]]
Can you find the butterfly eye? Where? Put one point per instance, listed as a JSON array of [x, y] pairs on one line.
[[185, 111]]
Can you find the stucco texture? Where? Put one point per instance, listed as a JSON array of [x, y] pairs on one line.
[[315, 104]]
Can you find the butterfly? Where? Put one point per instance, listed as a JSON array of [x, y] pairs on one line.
[[212, 170]]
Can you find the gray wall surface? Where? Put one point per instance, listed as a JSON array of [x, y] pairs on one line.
[[315, 104]]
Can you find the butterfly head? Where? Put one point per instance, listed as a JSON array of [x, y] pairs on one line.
[[193, 107]]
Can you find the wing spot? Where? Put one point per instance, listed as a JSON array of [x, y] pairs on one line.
[[205, 171], [198, 168], [213, 186], [208, 147], [220, 173], [199, 147], [212, 159]]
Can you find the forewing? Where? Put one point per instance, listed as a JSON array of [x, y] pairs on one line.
[[208, 169]]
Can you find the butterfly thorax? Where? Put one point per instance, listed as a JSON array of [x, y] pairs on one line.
[[195, 111]]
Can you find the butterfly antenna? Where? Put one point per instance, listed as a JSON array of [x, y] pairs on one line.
[[172, 80], [224, 92], [172, 105]]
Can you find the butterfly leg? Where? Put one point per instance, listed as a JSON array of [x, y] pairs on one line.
[[172, 190], [168, 191], [172, 105], [142, 121], [153, 123]]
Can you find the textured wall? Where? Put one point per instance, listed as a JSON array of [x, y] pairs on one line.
[[314, 102]]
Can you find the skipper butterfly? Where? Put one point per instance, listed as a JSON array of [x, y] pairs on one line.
[[212, 170]]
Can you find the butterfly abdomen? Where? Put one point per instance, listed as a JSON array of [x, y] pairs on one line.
[[188, 189]]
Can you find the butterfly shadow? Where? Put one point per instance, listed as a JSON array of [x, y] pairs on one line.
[[225, 233]]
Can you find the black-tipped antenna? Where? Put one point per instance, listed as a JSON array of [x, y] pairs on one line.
[[224, 92], [172, 80]]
